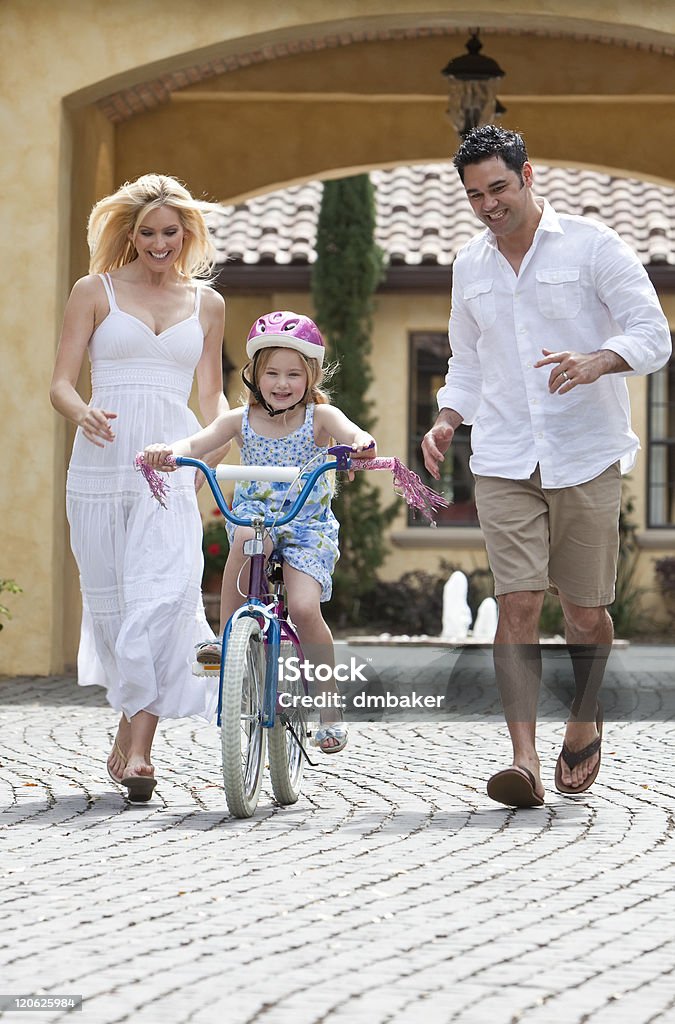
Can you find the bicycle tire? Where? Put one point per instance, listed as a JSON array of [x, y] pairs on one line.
[[242, 734], [286, 758]]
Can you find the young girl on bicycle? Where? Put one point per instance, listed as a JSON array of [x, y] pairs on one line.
[[288, 421]]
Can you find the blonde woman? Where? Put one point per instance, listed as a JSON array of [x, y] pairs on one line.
[[148, 326]]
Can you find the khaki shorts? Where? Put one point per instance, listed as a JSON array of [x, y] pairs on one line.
[[565, 540]]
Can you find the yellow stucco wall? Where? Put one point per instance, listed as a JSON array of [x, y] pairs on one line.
[[59, 154], [244, 130]]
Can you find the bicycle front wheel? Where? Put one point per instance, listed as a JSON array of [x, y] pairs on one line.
[[242, 733], [289, 734]]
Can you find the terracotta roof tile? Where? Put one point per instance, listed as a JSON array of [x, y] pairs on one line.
[[423, 216]]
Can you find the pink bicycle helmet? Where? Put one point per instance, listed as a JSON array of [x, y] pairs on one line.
[[284, 329]]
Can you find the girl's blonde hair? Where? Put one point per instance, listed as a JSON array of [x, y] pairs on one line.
[[316, 375], [122, 213]]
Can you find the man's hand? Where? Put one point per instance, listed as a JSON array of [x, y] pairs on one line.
[[438, 440], [572, 368]]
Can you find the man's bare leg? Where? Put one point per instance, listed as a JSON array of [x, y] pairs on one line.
[[589, 633], [517, 660]]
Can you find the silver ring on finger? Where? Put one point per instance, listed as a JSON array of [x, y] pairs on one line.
[[564, 374]]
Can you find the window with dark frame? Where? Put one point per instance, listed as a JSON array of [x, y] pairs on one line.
[[429, 353], [661, 446]]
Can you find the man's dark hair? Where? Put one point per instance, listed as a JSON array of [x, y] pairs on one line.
[[489, 140]]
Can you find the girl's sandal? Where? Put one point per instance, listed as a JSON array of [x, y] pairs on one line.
[[334, 731], [209, 651], [207, 657]]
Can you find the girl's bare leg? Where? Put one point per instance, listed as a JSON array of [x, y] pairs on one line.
[[304, 596], [234, 580]]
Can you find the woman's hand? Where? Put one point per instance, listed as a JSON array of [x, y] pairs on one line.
[[94, 424], [156, 455]]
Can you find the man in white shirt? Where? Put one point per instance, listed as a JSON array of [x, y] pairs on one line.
[[550, 313]]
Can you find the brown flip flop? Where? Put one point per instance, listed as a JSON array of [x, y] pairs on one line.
[[514, 787], [122, 756], [572, 758], [139, 788]]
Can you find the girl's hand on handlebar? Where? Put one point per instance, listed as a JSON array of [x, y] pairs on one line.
[[95, 426], [156, 454], [363, 446]]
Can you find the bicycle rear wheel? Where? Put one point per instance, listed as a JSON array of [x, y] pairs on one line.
[[289, 735], [242, 733]]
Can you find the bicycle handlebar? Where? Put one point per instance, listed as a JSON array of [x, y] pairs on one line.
[[406, 483], [280, 474]]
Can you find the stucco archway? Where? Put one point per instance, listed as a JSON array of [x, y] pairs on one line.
[[611, 77]]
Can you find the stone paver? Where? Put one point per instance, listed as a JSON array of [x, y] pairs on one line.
[[394, 892]]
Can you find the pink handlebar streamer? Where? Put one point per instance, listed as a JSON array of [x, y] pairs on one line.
[[406, 483], [155, 481]]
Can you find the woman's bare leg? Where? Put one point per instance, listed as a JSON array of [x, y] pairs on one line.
[[134, 740], [118, 756], [143, 726]]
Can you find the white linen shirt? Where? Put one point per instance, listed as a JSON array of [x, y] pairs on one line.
[[580, 288]]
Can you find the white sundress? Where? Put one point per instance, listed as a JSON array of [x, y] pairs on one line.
[[140, 565]]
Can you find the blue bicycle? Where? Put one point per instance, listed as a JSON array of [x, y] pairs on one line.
[[257, 639]]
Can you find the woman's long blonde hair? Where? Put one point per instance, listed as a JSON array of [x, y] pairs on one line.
[[123, 212]]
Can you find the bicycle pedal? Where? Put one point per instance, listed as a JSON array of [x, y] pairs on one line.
[[198, 669]]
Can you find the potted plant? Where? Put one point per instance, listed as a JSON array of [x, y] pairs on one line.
[[665, 574], [12, 588]]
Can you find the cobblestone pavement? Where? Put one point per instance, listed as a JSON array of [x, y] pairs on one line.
[[394, 892]]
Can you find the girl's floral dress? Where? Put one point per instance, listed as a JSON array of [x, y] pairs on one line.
[[309, 542]]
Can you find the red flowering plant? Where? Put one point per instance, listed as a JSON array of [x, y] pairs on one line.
[[215, 545]]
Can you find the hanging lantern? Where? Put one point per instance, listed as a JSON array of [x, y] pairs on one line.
[[472, 84]]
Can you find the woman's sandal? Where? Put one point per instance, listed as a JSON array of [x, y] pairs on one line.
[[122, 756], [572, 758], [139, 787], [334, 731]]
